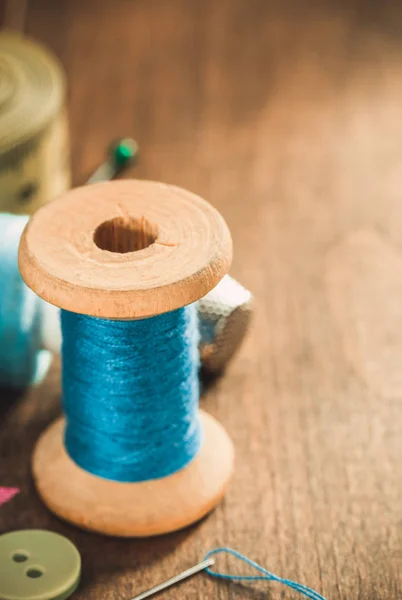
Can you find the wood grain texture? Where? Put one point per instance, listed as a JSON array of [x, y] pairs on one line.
[[286, 116]]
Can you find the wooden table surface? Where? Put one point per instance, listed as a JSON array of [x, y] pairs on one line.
[[287, 116]]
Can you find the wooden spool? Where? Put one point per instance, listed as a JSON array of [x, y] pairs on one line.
[[128, 250]]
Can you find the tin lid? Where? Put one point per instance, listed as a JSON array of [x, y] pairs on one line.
[[31, 90]]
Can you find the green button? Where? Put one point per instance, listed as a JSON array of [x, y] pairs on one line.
[[38, 565]]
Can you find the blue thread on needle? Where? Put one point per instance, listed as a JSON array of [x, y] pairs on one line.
[[266, 575], [209, 561]]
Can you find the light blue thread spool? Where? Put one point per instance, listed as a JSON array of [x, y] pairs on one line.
[[118, 251], [23, 358]]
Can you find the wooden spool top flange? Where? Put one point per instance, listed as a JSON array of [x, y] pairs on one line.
[[125, 249]]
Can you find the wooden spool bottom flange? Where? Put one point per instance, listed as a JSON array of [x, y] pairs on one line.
[[133, 509]]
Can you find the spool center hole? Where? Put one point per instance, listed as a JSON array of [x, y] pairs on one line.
[[125, 234]]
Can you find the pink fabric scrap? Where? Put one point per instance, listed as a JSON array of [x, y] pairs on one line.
[[7, 493]]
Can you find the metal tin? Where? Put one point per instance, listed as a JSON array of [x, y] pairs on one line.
[[34, 151]]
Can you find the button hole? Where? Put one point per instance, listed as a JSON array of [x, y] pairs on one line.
[[20, 556], [34, 572]]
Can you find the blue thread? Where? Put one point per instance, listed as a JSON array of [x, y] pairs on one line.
[[22, 361], [267, 576], [130, 393]]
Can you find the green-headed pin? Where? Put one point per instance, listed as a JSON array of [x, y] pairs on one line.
[[120, 154]]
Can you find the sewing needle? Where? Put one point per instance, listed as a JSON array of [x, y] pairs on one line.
[[176, 579]]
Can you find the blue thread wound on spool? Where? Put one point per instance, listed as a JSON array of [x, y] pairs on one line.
[[130, 394], [22, 361]]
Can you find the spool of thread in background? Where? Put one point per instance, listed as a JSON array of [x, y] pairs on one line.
[[34, 150], [29, 327], [29, 330], [139, 458]]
